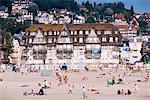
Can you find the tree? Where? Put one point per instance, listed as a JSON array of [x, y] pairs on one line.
[[33, 8], [89, 6], [7, 3], [109, 11], [94, 4], [9, 42], [11, 26], [132, 10], [90, 20]]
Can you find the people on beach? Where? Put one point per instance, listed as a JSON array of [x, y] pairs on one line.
[[65, 79], [136, 88], [46, 84], [113, 80], [84, 93], [70, 89], [41, 92]]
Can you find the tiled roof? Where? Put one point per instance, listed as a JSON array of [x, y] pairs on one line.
[[71, 27], [125, 27]]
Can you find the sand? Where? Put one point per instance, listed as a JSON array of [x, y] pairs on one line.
[[10, 87]]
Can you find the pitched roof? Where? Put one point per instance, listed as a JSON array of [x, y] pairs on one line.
[[72, 27]]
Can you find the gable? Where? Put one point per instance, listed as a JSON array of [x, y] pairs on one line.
[[92, 37], [64, 36], [39, 38]]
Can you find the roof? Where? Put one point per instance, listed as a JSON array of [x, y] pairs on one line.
[[125, 27], [72, 27]]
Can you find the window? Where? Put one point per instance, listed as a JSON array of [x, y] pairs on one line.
[[98, 32], [58, 32], [54, 32], [111, 39], [81, 32], [50, 32], [50, 40], [30, 40], [67, 40], [116, 39], [80, 40], [32, 33], [88, 47], [86, 32], [75, 32], [75, 39], [116, 32], [54, 40], [107, 32], [45, 33], [71, 32], [104, 39]]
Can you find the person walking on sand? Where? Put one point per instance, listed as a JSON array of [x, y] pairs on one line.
[[136, 88], [113, 80], [84, 93], [70, 89]]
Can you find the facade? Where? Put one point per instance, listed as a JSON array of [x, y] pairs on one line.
[[3, 48], [44, 17], [15, 56], [126, 29], [77, 45], [25, 18], [135, 45], [20, 6]]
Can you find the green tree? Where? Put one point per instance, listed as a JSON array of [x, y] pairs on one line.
[[90, 20], [7, 3], [9, 42], [132, 10], [33, 8], [109, 11]]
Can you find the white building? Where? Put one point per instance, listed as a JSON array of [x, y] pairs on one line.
[[77, 45], [44, 17], [16, 56], [135, 45], [20, 6], [25, 17], [79, 20]]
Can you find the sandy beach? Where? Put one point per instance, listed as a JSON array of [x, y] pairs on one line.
[[15, 84]]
